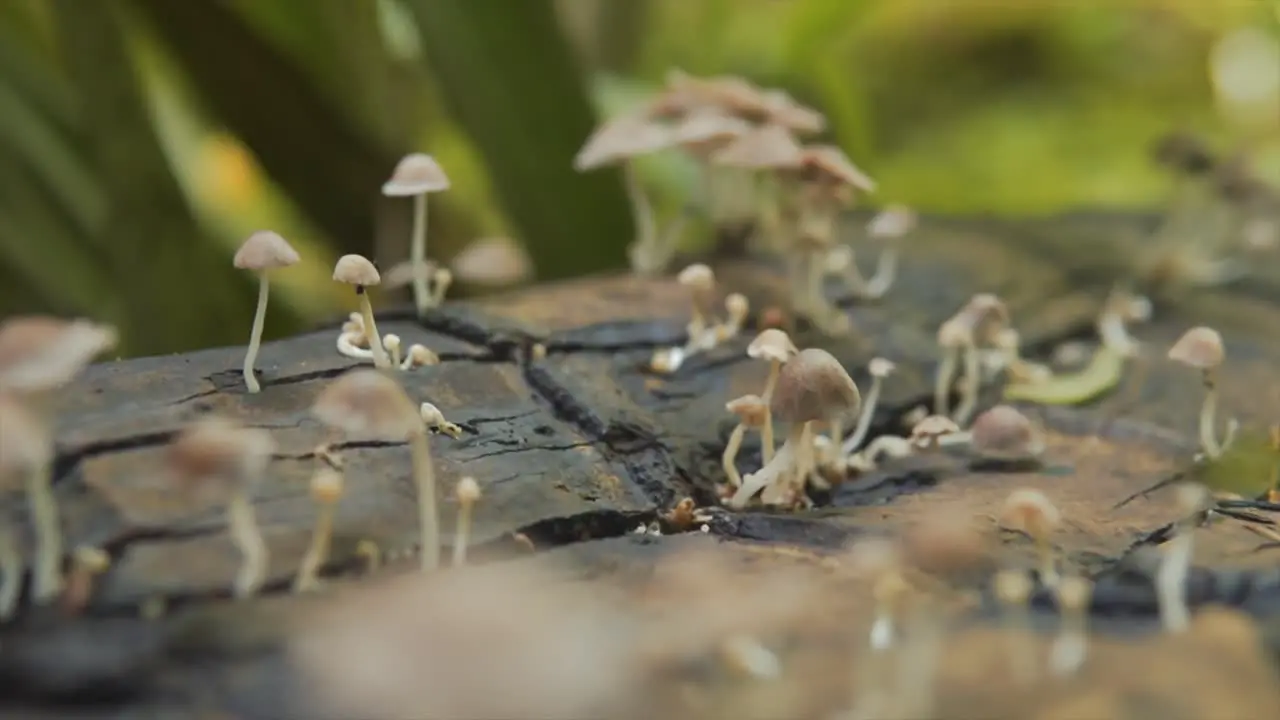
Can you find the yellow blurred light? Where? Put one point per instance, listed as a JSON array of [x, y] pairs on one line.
[[232, 176]]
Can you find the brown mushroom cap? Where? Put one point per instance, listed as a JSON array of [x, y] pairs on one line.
[[1029, 511], [768, 147], [1200, 348], [494, 262], [814, 386], [772, 344], [1003, 432], [750, 409], [416, 174], [356, 270], [828, 163], [215, 456], [708, 128], [619, 139], [367, 403], [265, 250], [25, 442], [730, 93], [932, 427], [40, 353]]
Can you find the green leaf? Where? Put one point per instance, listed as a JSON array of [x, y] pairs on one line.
[[506, 74]]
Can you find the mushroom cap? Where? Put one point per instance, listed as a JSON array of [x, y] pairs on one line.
[[784, 110], [731, 93], [750, 409], [356, 270], [1012, 587], [215, 456], [1029, 511], [881, 367], [402, 274], [954, 333], [367, 403], [416, 174], [932, 426], [265, 250], [622, 138], [468, 490], [25, 441], [772, 344], [708, 126], [814, 386], [39, 353], [828, 163], [986, 307], [697, 276], [1074, 592], [1200, 348], [736, 304], [327, 485], [768, 147], [493, 261], [892, 222], [1004, 432], [431, 415]]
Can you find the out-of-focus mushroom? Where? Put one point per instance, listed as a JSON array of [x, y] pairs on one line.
[[1201, 348], [26, 453], [416, 175], [1003, 435], [493, 262], [879, 368], [39, 354], [326, 489]]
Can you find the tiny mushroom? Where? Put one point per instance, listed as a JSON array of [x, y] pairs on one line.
[[493, 262], [416, 175], [1201, 348], [1030, 511], [87, 563], [736, 307], [262, 252], [436, 422], [326, 490], [218, 460], [468, 493], [419, 356], [879, 368], [813, 387], [929, 433], [441, 280], [701, 282], [391, 343], [1071, 646], [1171, 575], [358, 271], [753, 414], [1013, 590], [954, 337], [775, 346], [26, 452], [366, 402], [1003, 434]]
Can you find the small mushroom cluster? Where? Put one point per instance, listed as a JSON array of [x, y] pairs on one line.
[[704, 330], [359, 336]]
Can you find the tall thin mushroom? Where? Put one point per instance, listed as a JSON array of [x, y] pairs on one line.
[[1201, 348], [775, 346], [753, 414], [369, 404], [416, 175], [262, 252], [358, 271], [26, 448]]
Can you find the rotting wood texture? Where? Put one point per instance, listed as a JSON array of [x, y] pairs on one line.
[[584, 444]]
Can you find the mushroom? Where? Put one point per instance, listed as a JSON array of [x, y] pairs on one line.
[[435, 421], [766, 149], [326, 490], [468, 493], [1171, 576], [736, 307], [1071, 646], [812, 387], [891, 225], [39, 354], [701, 133], [419, 356], [1201, 348], [87, 563], [358, 271], [10, 571], [26, 455], [954, 337], [879, 368], [618, 142], [701, 282], [391, 343], [1013, 590], [262, 252], [753, 414], [775, 346], [366, 402], [979, 319], [494, 262], [414, 176], [369, 551], [441, 281], [1002, 436], [1030, 511], [933, 430], [219, 460]]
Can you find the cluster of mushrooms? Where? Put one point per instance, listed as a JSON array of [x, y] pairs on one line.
[[755, 173]]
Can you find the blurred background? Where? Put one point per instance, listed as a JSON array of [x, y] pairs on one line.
[[142, 140]]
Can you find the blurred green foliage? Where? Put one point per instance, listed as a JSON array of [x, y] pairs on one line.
[[141, 139]]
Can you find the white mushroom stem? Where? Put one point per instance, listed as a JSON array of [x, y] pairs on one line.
[[380, 358], [766, 432], [441, 281], [646, 226], [418, 255], [942, 380], [864, 420], [255, 335], [1071, 645], [729, 459], [886, 273], [317, 551], [392, 343], [248, 539], [792, 459], [1171, 579], [347, 346], [46, 581], [1208, 417], [11, 569], [424, 478], [969, 386], [462, 533]]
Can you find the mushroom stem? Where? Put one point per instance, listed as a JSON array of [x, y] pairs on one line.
[[730, 456], [643, 253], [887, 446], [1171, 578], [1013, 589], [395, 352], [47, 576], [317, 551], [424, 478], [255, 335], [380, 358], [1208, 416], [886, 272], [418, 255], [774, 471], [766, 432], [942, 381], [10, 573], [462, 534], [1048, 565], [347, 346], [864, 420], [970, 386], [248, 539]]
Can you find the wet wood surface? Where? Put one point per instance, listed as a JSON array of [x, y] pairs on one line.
[[575, 449]]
